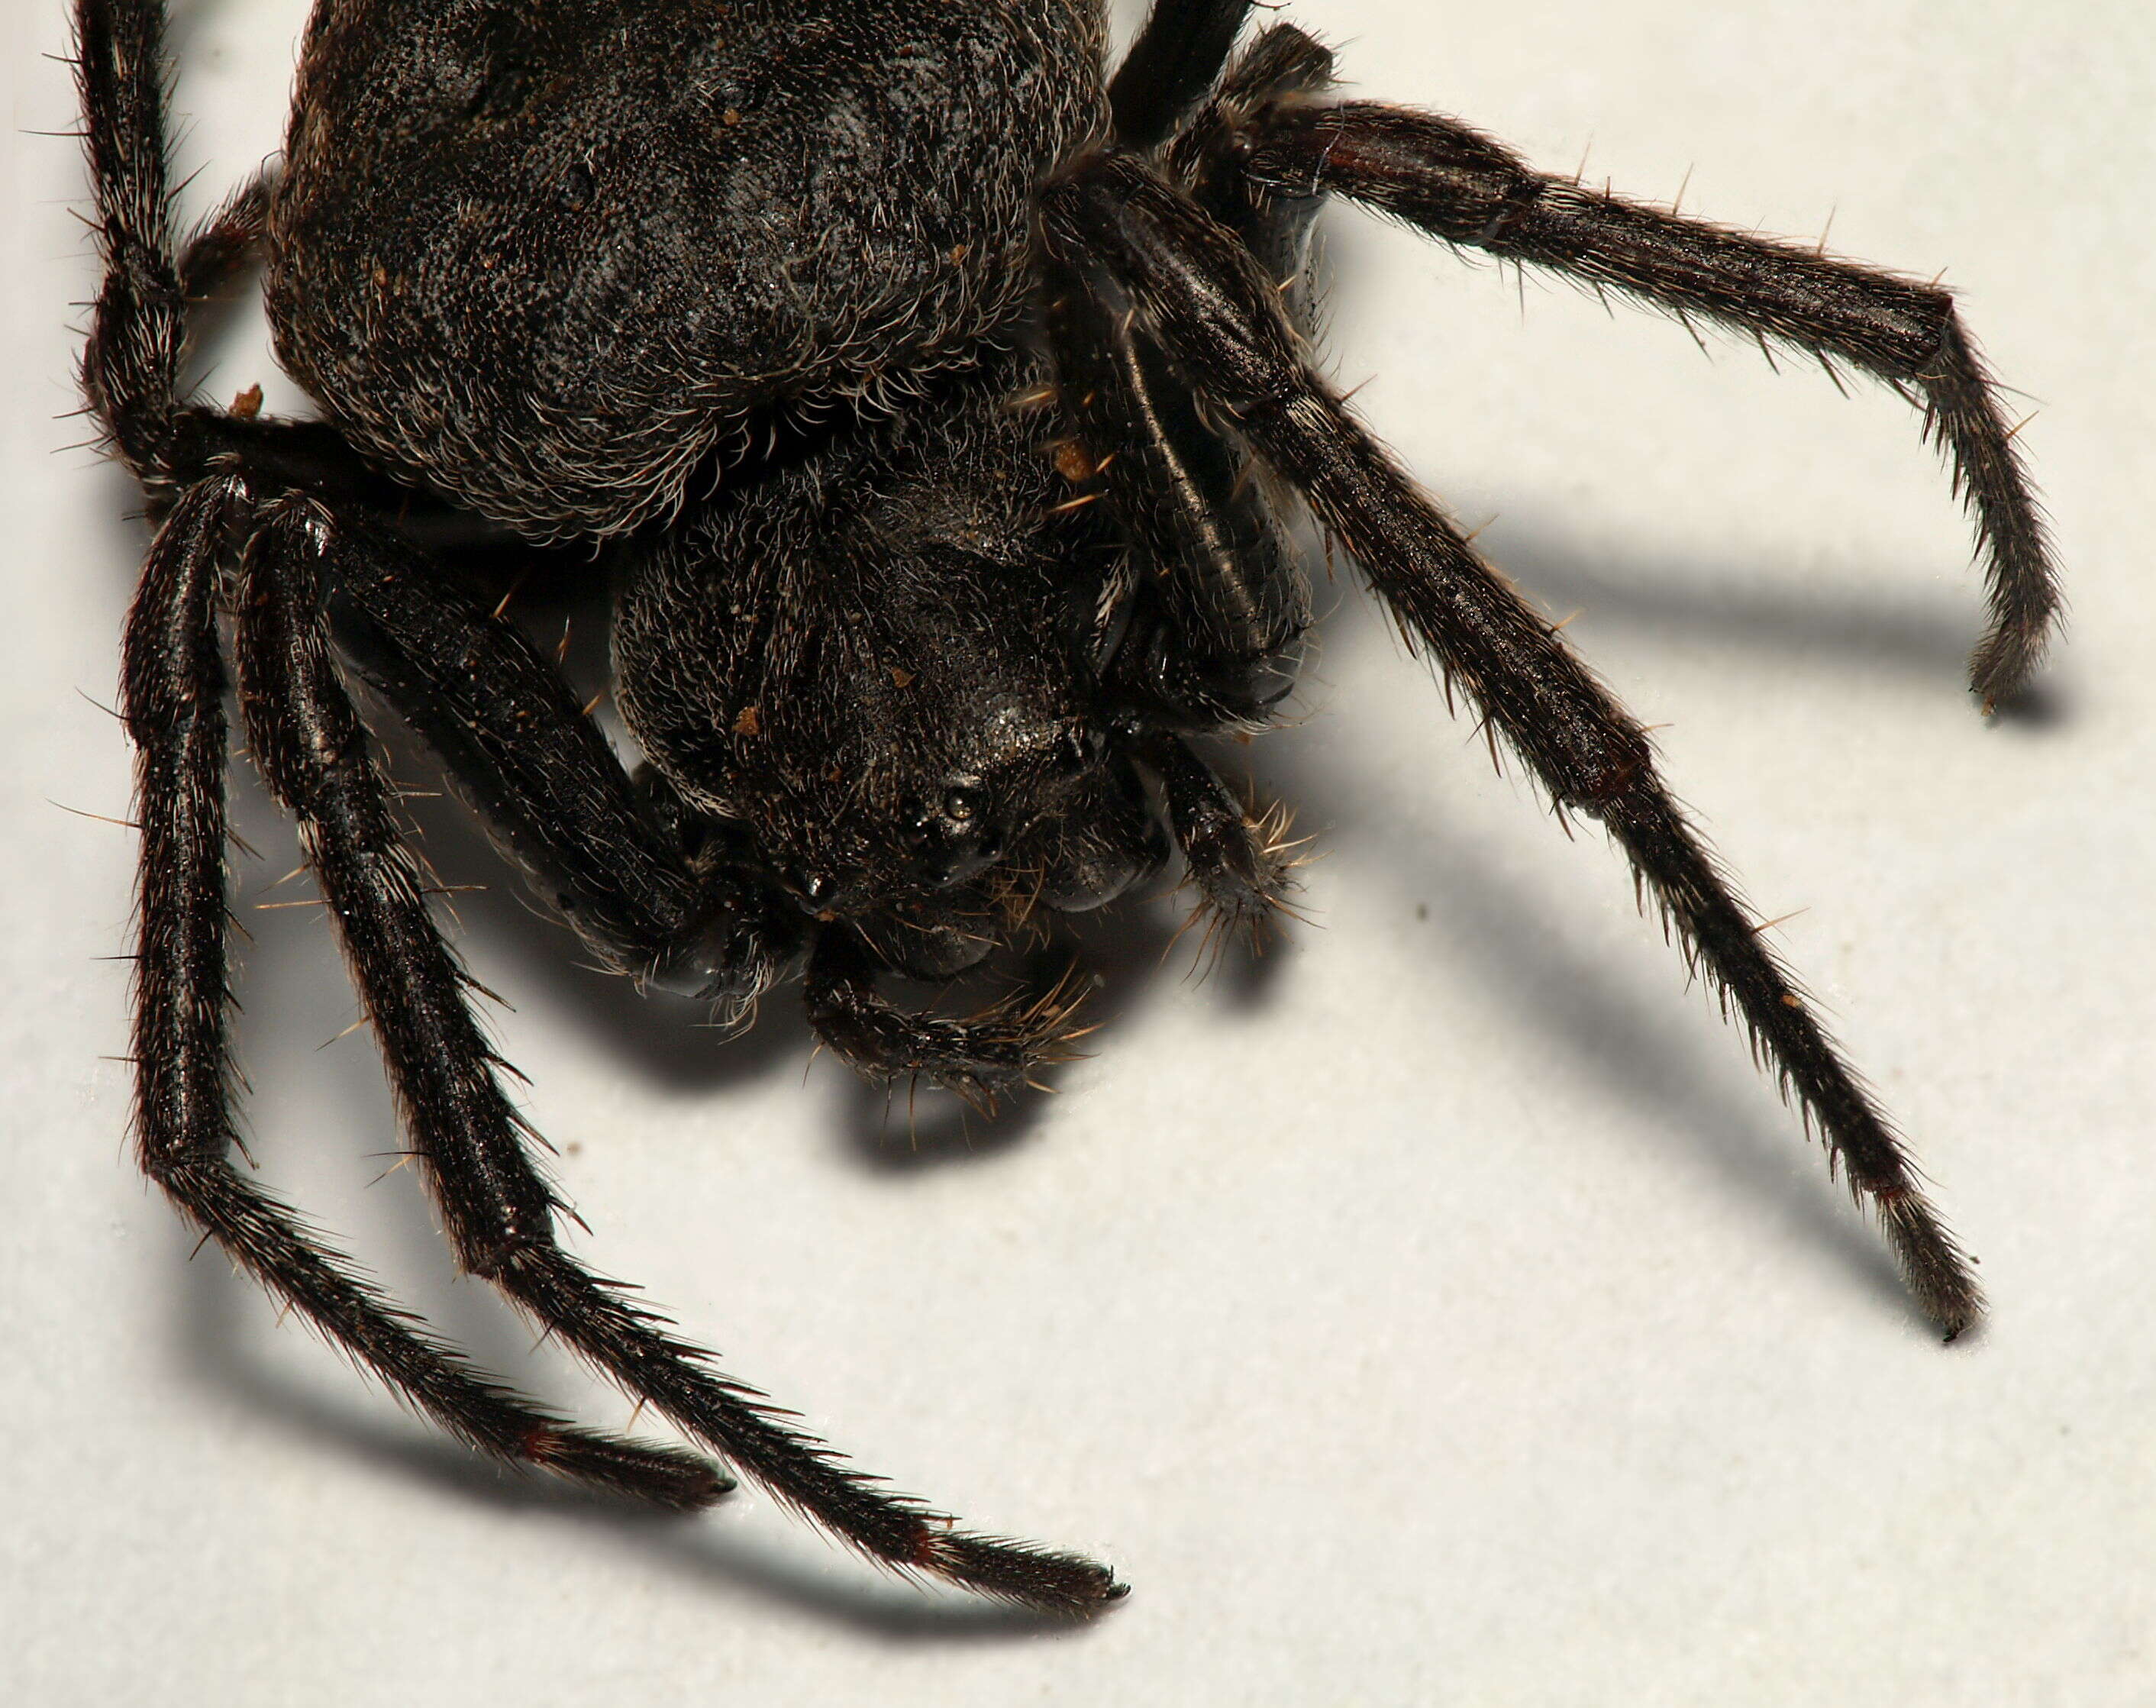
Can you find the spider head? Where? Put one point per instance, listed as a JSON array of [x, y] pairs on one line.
[[891, 686], [930, 735]]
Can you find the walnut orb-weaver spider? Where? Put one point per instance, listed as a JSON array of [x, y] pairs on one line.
[[938, 396]]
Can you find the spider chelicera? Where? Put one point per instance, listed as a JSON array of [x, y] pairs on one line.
[[937, 399]]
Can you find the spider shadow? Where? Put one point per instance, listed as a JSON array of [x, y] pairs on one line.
[[216, 1338], [1898, 632]]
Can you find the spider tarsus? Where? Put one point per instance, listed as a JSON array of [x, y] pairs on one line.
[[666, 1477], [1933, 1266], [1243, 871], [2004, 661], [1241, 862], [1722, 943], [1049, 1582]]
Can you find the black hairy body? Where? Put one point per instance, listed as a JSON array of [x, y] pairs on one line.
[[470, 192], [934, 399]]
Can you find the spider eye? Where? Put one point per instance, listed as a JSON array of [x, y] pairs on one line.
[[960, 804]]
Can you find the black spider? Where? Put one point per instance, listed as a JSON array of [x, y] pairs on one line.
[[939, 398]]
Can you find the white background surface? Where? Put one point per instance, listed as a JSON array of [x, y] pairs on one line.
[[1450, 1315]]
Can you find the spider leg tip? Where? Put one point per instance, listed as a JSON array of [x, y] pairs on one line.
[[1952, 1301], [1958, 1316], [705, 1489]]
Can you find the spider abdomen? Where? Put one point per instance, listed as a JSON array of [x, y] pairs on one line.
[[544, 264]]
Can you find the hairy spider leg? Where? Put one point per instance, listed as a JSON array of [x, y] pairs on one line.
[[1241, 861], [172, 687], [1204, 157], [508, 730], [474, 1148], [312, 750], [1462, 186], [173, 703], [982, 1057], [505, 726], [1218, 605], [1216, 311], [224, 243], [1172, 65]]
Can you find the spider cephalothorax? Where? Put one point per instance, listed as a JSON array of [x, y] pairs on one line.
[[890, 657], [935, 397]]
